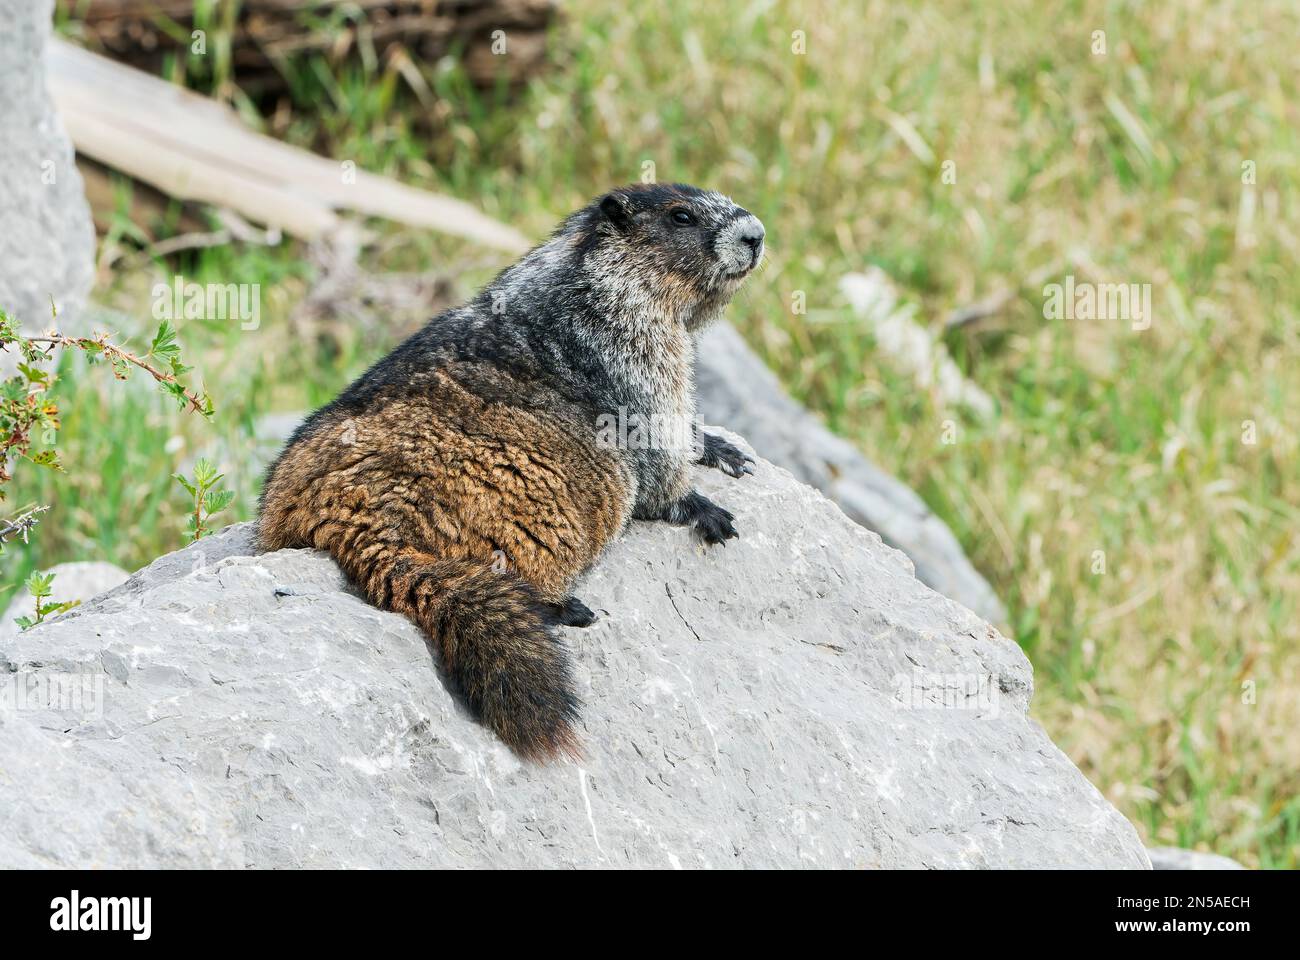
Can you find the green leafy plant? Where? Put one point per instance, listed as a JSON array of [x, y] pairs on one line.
[[209, 498], [28, 413], [29, 416], [40, 586]]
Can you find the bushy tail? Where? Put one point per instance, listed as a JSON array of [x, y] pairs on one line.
[[495, 637]]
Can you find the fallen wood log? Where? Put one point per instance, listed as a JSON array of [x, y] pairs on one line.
[[192, 148], [265, 33], [145, 207]]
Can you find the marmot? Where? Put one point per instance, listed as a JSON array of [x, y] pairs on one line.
[[462, 481]]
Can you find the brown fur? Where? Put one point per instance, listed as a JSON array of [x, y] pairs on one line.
[[424, 499]]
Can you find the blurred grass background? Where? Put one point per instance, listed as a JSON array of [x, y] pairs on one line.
[[1173, 677]]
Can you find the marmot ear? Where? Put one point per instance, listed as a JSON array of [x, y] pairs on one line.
[[616, 209]]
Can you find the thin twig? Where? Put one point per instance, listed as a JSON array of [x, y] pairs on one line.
[[21, 524], [999, 301], [56, 339], [177, 244], [980, 310]]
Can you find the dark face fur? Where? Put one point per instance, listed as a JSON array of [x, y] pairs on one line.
[[677, 249]]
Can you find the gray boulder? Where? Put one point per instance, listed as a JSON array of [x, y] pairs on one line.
[[47, 246], [737, 388], [1176, 858], [797, 698]]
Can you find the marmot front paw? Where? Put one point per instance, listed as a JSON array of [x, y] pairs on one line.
[[715, 525], [710, 521], [724, 456]]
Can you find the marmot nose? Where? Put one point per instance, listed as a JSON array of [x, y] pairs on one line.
[[751, 233]]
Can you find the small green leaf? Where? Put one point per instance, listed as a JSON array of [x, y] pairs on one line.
[[34, 374], [218, 501], [164, 344], [178, 393], [39, 583], [204, 473]]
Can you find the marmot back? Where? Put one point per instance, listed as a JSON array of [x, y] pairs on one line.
[[465, 481]]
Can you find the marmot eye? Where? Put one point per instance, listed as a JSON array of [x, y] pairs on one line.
[[682, 218]]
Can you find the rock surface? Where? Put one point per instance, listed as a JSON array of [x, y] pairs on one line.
[[73, 808], [737, 389], [795, 699], [47, 246]]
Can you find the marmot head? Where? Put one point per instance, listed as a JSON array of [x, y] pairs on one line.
[[675, 249]]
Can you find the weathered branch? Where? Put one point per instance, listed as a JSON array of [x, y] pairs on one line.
[[112, 351], [22, 524]]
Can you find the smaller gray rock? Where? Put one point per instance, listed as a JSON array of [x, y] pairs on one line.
[[737, 389], [81, 581], [1176, 858]]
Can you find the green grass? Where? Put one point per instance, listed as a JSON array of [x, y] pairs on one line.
[[1124, 167]]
